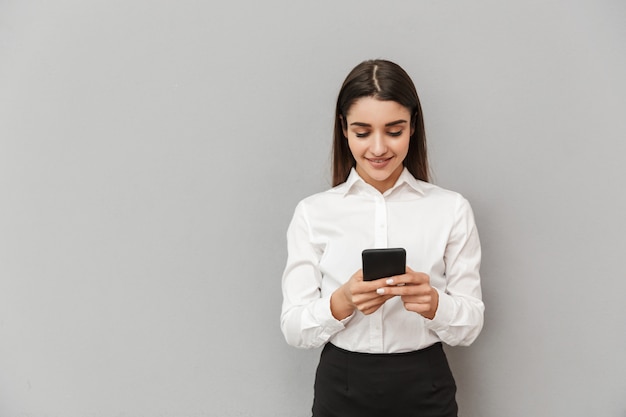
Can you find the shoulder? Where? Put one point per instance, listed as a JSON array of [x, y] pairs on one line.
[[427, 190], [437, 192], [322, 200], [444, 200]]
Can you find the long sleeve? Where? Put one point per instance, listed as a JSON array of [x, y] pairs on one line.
[[325, 240], [306, 319], [460, 315]]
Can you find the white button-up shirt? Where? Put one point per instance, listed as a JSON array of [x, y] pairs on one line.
[[325, 239]]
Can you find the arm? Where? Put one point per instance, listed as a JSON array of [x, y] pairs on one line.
[[460, 315], [309, 319], [306, 317], [456, 312]]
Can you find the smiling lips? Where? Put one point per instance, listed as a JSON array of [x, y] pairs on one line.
[[379, 162]]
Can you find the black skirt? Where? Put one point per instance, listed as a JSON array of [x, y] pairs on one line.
[[413, 384]]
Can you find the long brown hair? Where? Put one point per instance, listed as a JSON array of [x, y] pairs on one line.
[[382, 80]]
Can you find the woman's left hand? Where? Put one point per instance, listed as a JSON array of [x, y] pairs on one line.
[[415, 291]]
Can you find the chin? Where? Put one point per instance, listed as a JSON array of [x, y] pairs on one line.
[[381, 178]]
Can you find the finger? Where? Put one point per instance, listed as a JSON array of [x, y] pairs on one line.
[[369, 306], [417, 299], [370, 286], [412, 278], [371, 296], [405, 290], [358, 276], [417, 307]]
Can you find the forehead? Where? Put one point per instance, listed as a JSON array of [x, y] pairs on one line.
[[372, 110]]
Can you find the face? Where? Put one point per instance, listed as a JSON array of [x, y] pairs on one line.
[[378, 135]]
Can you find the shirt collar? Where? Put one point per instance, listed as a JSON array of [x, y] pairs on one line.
[[355, 182]]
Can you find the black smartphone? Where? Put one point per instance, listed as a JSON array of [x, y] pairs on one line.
[[381, 263]]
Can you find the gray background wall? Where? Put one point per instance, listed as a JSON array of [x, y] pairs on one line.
[[152, 153]]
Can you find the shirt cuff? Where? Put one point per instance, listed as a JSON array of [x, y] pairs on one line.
[[446, 311], [329, 323]]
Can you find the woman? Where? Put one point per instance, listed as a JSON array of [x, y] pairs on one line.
[[382, 339]]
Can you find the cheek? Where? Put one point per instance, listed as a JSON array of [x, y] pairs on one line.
[[406, 148], [355, 147], [402, 147]]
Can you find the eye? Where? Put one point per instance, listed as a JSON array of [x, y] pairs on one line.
[[395, 134], [361, 134]]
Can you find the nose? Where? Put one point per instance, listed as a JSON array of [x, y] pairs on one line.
[[378, 146]]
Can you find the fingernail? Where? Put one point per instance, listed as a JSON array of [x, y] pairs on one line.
[[390, 281], [380, 291]]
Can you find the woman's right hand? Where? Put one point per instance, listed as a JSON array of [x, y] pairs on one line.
[[357, 294]]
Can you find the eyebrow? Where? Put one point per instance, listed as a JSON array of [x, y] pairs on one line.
[[397, 122]]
